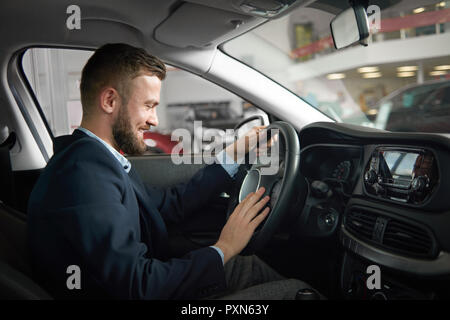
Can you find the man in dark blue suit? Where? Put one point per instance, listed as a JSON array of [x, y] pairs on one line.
[[90, 209]]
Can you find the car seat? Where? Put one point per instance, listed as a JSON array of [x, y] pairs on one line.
[[15, 270]]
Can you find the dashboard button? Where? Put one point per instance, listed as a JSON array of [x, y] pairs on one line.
[[419, 184], [320, 189]]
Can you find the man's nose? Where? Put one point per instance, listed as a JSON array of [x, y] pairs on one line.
[[153, 120]]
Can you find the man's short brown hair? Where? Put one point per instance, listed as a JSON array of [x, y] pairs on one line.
[[116, 65]]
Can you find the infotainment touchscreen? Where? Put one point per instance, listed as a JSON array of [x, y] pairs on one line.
[[401, 174], [398, 167]]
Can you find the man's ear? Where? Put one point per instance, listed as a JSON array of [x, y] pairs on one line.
[[109, 100]]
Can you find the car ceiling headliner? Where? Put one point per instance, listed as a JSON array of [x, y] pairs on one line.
[[44, 22], [182, 33], [27, 23]]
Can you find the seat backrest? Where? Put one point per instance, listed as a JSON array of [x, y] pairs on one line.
[[15, 270], [14, 285], [13, 244]]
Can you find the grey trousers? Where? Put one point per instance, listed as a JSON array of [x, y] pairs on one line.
[[249, 278]]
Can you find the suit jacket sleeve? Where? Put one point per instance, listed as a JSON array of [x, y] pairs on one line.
[[181, 201]]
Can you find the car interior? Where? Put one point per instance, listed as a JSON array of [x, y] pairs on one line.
[[345, 196]]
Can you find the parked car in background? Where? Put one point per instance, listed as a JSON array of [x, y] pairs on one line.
[[159, 143], [416, 108]]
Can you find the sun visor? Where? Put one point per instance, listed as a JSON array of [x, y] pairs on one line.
[[193, 25]]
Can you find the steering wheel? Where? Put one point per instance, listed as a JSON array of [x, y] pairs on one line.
[[283, 186]]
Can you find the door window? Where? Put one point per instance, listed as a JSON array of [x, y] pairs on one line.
[[187, 101]]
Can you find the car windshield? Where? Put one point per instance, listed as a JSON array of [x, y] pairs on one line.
[[400, 81]]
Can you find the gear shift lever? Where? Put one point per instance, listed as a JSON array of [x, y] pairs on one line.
[[307, 294]]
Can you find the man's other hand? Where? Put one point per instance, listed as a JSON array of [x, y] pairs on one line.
[[242, 223]]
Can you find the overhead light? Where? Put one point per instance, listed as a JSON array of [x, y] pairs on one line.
[[372, 112], [440, 4], [335, 76], [368, 69], [438, 73], [371, 75], [406, 68], [442, 67], [406, 74], [419, 10]]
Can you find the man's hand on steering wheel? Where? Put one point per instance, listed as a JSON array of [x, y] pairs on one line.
[[248, 142]]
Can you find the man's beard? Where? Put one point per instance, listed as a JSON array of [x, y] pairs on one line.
[[125, 136]]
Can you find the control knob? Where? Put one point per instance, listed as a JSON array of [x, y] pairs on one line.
[[320, 189], [370, 176], [419, 184]]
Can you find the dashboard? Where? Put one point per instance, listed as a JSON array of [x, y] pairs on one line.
[[386, 196], [339, 165]]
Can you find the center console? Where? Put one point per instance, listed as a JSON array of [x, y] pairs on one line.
[[393, 286], [382, 227], [407, 175]]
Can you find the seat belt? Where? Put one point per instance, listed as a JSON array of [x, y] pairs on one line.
[[7, 188]]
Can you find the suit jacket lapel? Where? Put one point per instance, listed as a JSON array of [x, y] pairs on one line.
[[157, 237]]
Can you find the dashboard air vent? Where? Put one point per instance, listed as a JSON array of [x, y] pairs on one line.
[[407, 238], [360, 223], [392, 234]]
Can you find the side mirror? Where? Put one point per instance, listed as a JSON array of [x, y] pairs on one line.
[[350, 26]]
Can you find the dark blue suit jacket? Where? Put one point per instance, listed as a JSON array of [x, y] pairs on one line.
[[86, 210]]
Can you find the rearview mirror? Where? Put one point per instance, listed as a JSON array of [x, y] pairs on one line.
[[350, 26]]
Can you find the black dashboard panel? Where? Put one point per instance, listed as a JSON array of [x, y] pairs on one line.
[[386, 217], [397, 228], [331, 171], [338, 163], [323, 133]]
